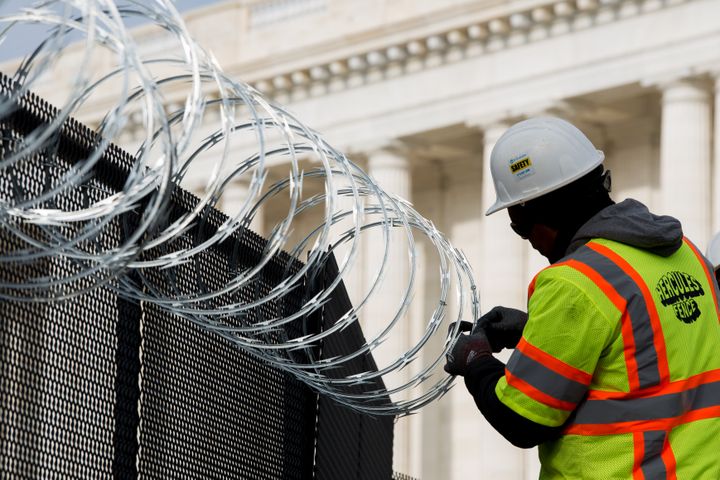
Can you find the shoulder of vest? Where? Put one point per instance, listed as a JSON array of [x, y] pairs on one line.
[[572, 261], [554, 271], [578, 253]]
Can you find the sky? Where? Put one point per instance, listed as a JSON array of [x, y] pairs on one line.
[[22, 39]]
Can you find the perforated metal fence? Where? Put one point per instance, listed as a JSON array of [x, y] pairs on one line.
[[402, 476], [103, 385]]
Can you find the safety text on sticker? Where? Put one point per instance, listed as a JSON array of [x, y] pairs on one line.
[[521, 166]]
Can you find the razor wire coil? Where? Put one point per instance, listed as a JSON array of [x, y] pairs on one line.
[[174, 142]]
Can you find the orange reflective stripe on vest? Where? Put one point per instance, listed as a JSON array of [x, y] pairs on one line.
[[649, 419], [645, 356], [545, 378], [653, 456], [683, 401], [709, 273]]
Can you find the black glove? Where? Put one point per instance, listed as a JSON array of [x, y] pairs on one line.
[[503, 327], [467, 349]]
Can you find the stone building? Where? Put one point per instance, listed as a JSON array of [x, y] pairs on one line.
[[418, 91]]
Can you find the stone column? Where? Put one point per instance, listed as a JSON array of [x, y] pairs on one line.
[[353, 274], [502, 272], [685, 151], [502, 282], [432, 456], [715, 207], [390, 168]]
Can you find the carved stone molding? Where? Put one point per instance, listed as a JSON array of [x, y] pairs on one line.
[[512, 29]]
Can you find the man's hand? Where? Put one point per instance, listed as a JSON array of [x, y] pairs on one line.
[[503, 326], [467, 349]]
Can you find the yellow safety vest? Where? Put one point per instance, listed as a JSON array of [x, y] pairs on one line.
[[622, 348]]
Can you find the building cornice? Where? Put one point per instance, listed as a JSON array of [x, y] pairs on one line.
[[343, 67]]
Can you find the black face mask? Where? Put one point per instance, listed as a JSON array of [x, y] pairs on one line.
[[562, 242], [523, 230], [522, 220]]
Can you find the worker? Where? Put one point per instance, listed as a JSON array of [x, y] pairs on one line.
[[713, 255], [615, 372]]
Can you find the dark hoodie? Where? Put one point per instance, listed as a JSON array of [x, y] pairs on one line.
[[629, 222]]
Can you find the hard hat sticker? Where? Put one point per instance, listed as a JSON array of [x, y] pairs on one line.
[[521, 166]]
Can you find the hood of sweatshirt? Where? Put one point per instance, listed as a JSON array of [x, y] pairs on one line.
[[630, 222]]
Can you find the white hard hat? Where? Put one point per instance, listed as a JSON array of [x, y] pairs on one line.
[[537, 156], [713, 251]]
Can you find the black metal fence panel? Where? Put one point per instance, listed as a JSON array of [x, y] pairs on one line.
[[103, 385], [347, 440]]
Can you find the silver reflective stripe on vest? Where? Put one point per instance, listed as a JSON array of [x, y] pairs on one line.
[[671, 405], [545, 379], [645, 355], [652, 464]]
